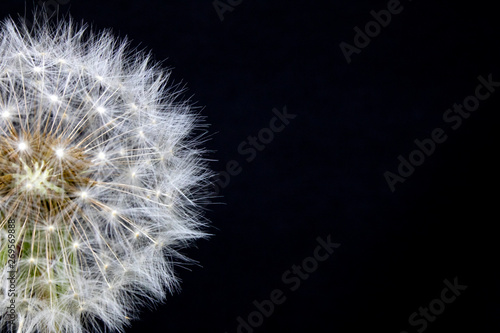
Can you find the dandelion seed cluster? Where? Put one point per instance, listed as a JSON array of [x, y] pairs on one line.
[[102, 173]]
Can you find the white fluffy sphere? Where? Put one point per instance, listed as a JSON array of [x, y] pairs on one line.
[[101, 178]]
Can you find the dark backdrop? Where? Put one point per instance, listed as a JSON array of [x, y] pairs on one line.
[[322, 174]]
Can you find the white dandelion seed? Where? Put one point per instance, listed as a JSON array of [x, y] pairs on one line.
[[99, 208]]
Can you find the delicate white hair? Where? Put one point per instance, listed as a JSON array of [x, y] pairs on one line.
[[100, 169]]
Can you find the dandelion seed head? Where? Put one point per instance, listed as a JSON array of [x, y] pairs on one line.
[[88, 131]]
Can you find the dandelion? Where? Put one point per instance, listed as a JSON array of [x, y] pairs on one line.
[[101, 179]]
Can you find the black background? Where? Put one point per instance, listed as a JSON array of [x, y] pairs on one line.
[[324, 173]]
